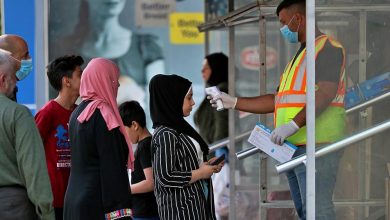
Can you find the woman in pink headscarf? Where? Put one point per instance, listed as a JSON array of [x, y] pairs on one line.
[[101, 150]]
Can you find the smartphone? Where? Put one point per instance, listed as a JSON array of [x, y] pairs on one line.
[[218, 160]]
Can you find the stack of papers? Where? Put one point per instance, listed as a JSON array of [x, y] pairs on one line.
[[260, 138]]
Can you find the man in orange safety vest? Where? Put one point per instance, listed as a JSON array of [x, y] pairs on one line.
[[289, 106]]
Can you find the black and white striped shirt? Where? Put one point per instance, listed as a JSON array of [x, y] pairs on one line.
[[174, 158]]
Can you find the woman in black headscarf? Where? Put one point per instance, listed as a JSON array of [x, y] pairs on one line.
[[183, 187], [212, 124]]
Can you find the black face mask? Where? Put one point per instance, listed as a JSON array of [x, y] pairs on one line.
[[13, 97]]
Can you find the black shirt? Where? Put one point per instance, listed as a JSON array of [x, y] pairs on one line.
[[328, 63], [144, 204], [174, 158], [98, 182]]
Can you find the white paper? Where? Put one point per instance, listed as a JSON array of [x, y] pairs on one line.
[[260, 138]]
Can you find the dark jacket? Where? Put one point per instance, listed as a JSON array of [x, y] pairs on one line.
[[174, 158], [212, 124]]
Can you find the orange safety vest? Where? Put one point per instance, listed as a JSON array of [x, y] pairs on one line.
[[291, 98]]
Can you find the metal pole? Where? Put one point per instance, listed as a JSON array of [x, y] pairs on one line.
[[226, 141], [251, 151], [364, 119], [207, 33], [310, 111], [2, 16], [387, 199], [262, 117], [368, 103], [247, 153], [335, 147], [232, 121], [41, 52]]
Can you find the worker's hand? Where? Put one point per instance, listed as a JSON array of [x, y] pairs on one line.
[[227, 100], [284, 131]]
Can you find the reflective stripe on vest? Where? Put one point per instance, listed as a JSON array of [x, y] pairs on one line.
[[291, 98]]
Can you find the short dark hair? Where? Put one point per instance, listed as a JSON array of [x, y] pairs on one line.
[[60, 67], [132, 111], [288, 3]]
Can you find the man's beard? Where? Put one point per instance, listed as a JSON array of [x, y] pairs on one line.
[[13, 96]]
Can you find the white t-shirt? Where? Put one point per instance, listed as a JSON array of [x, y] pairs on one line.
[[198, 150]]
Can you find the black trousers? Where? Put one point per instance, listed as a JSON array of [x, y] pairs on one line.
[[15, 204]]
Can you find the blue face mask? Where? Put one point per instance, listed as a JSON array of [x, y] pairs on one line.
[[292, 37], [25, 69]]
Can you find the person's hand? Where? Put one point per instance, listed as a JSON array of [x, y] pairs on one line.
[[218, 166], [206, 170], [284, 131], [228, 101]]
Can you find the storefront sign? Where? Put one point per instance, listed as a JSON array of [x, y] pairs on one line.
[[153, 13], [184, 28], [250, 57]]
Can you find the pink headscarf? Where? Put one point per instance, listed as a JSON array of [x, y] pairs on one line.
[[99, 83]]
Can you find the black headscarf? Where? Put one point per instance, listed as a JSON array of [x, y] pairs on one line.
[[218, 63], [167, 94]]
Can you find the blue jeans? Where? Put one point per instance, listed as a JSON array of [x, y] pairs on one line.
[[326, 173]]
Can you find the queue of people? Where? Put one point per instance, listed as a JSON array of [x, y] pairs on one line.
[[64, 75], [72, 162], [77, 165], [25, 190]]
